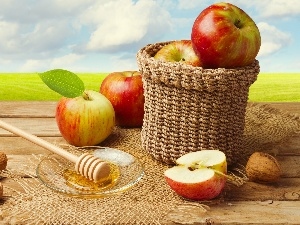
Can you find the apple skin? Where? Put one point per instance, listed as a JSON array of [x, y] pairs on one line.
[[179, 51], [205, 190], [126, 93], [198, 175], [224, 36], [86, 120]]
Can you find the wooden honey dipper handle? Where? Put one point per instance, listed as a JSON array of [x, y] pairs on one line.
[[87, 165]]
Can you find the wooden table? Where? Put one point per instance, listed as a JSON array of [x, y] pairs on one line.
[[269, 204]]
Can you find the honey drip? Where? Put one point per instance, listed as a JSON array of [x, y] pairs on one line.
[[77, 181]]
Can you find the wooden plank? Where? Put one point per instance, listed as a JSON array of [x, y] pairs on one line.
[[23, 166], [290, 165], [243, 212], [292, 107], [289, 147], [47, 108], [27, 109], [286, 189], [20, 146], [44, 127]]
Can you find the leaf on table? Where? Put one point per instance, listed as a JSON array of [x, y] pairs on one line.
[[63, 82]]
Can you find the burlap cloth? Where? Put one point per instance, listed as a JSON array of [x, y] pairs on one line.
[[150, 200]]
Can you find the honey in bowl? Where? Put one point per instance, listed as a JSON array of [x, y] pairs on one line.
[[77, 181]]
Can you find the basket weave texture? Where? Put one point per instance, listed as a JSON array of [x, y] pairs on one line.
[[190, 108]]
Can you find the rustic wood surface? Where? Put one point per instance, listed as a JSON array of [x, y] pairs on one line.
[[277, 203]]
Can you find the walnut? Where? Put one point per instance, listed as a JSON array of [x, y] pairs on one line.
[[3, 161], [1, 190], [262, 167]]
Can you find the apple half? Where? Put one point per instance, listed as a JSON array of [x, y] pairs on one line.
[[199, 175]]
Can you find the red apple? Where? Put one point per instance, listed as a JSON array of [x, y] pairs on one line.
[[85, 120], [198, 175], [125, 92], [224, 36], [178, 51]]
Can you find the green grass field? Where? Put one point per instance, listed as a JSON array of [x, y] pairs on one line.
[[269, 87], [30, 87], [276, 87]]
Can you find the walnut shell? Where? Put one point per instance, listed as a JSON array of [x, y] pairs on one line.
[[1, 190], [263, 167], [3, 161]]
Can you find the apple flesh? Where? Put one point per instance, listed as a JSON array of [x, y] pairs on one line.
[[86, 120], [178, 51], [224, 36], [198, 175], [126, 93]]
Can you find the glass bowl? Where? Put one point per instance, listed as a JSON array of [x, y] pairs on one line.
[[58, 174]]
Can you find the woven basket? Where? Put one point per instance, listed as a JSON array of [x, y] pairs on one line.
[[190, 108]]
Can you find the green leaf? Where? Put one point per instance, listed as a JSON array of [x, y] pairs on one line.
[[63, 82]]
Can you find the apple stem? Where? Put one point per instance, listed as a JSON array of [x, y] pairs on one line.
[[132, 74], [238, 23], [86, 96], [238, 181]]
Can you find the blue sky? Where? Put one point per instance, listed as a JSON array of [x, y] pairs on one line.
[[104, 35]]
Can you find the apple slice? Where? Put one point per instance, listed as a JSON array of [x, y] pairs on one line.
[[198, 175]]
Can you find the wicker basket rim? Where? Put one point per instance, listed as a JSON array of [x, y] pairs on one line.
[[182, 75], [144, 53]]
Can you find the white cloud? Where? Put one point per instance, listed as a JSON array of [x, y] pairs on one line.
[[272, 8], [281, 8], [122, 63], [48, 36], [167, 4], [39, 65], [192, 4], [273, 39], [31, 11], [42, 27], [65, 61], [122, 23], [34, 65], [71, 6], [35, 33], [30, 30], [8, 42]]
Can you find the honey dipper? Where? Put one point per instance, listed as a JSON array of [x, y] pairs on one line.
[[87, 164]]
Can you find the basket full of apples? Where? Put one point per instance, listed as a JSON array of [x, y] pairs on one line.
[[196, 91]]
